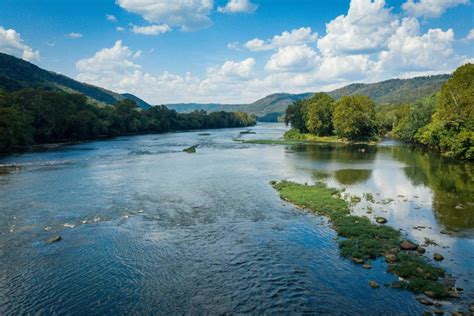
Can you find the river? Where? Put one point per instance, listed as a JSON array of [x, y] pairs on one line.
[[149, 229]]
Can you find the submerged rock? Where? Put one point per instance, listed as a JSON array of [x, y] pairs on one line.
[[54, 239], [408, 245], [373, 284], [367, 266], [438, 257]]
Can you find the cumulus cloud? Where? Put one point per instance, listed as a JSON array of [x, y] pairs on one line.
[[365, 29], [299, 36], [238, 6], [12, 43], [74, 35], [295, 58], [470, 35], [233, 45], [430, 8], [151, 29], [120, 29], [111, 18], [186, 14]]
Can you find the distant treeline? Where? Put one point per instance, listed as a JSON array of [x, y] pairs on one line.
[[444, 121], [35, 116]]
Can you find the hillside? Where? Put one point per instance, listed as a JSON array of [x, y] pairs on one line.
[[393, 91], [16, 74]]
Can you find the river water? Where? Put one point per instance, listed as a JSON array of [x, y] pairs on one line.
[[149, 229]]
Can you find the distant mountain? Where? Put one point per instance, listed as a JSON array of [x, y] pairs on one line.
[[16, 74], [393, 91]]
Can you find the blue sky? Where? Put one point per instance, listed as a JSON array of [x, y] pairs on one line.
[[236, 51]]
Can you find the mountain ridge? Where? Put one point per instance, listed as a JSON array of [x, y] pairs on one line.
[[16, 73]]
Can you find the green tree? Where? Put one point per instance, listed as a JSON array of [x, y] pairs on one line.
[[295, 115], [452, 127], [320, 110], [355, 118]]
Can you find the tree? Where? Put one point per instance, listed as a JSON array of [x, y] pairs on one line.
[[452, 127], [320, 110], [296, 116], [355, 118]]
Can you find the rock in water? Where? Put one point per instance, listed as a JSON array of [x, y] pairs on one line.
[[374, 284], [381, 220], [391, 258], [191, 150], [420, 250], [438, 257], [54, 239], [408, 245]]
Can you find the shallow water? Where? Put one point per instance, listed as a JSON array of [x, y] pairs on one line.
[[149, 229]]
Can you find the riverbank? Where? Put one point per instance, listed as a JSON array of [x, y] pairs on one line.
[[293, 137], [364, 241]]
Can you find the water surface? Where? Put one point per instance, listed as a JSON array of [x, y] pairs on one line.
[[149, 229]]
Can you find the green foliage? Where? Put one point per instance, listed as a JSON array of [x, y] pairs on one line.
[[320, 109], [33, 116], [355, 118], [296, 114]]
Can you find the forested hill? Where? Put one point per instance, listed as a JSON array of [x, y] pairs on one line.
[[394, 91], [16, 74]]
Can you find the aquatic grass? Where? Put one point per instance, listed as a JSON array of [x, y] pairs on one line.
[[361, 239]]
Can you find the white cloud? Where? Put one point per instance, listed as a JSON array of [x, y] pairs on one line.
[[186, 14], [299, 36], [430, 8], [238, 6], [297, 58], [120, 29], [111, 18], [151, 29], [233, 45], [232, 70], [365, 29], [74, 35], [409, 51], [470, 36], [12, 43]]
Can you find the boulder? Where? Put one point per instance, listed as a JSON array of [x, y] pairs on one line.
[[373, 284], [438, 256], [420, 250], [381, 220], [391, 258], [408, 245], [54, 239]]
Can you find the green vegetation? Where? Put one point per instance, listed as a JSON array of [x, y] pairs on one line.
[[35, 116], [444, 121], [352, 176], [361, 239], [351, 118]]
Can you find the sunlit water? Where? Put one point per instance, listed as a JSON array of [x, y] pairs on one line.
[[149, 229]]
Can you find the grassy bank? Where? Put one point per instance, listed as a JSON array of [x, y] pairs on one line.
[[293, 137], [361, 240]]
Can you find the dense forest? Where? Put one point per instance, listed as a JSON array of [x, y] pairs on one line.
[[443, 121], [37, 116]]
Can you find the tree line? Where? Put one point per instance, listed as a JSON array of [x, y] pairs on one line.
[[444, 121], [36, 116]]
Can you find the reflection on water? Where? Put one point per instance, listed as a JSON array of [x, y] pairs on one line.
[[148, 229]]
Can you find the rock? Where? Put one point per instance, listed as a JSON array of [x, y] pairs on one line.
[[430, 294], [408, 245], [459, 207], [419, 271], [54, 239], [391, 258], [459, 289], [449, 282], [420, 250], [423, 300], [373, 284], [358, 260], [454, 294], [381, 220], [438, 257], [394, 251], [438, 312], [367, 266]]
